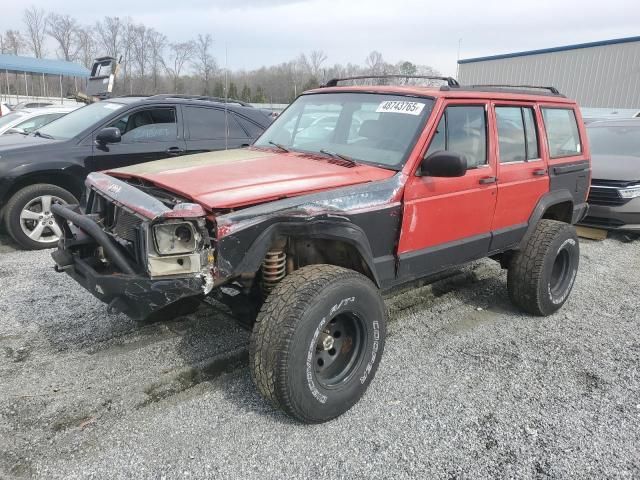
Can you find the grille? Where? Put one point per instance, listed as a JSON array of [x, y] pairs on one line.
[[605, 192], [124, 225]]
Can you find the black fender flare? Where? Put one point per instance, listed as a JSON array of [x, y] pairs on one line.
[[340, 229], [544, 203]]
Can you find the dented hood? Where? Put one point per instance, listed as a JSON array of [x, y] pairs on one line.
[[236, 178]]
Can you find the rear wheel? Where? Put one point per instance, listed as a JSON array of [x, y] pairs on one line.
[[29, 219], [317, 342], [542, 274]]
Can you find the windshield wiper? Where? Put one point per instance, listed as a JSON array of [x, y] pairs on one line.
[[277, 145], [43, 135], [340, 156]]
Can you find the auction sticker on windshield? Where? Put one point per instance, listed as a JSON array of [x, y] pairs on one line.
[[400, 106]]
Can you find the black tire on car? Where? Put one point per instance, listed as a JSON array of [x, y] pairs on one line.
[[317, 342], [28, 217], [541, 275]]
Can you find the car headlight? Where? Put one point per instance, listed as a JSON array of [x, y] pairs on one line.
[[175, 238], [630, 192]]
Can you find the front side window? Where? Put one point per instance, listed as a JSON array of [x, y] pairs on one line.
[[148, 125], [462, 130], [517, 136], [366, 127], [562, 132]]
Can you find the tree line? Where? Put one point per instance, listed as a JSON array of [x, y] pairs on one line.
[[151, 63]]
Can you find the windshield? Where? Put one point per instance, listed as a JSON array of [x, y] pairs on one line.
[[615, 140], [79, 120], [366, 127], [9, 118]]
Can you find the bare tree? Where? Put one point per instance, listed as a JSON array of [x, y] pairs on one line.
[[35, 20], [126, 50], [64, 29], [108, 35], [316, 59], [157, 44], [179, 54], [13, 42], [204, 63], [141, 50], [375, 62], [87, 48]]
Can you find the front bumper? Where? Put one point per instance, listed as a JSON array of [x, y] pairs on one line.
[[128, 291], [623, 217]]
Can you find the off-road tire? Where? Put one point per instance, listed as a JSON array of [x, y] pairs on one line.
[[541, 275], [18, 202], [283, 346]]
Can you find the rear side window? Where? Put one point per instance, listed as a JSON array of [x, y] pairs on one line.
[[562, 132], [463, 130], [517, 136], [210, 123]]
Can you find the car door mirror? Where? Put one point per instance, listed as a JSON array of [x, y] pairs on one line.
[[109, 135], [444, 164]]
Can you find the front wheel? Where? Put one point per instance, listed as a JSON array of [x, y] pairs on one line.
[[29, 219], [317, 342], [542, 274]]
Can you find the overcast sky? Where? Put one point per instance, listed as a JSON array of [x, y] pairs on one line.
[[266, 32]]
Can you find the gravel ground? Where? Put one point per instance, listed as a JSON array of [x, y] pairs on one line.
[[468, 386]]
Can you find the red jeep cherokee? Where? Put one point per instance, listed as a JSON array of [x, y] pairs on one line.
[[352, 190]]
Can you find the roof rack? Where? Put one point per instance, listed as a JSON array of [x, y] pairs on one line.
[[451, 82], [200, 97], [553, 90]]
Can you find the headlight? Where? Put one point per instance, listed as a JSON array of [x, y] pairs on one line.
[[175, 238], [630, 192]]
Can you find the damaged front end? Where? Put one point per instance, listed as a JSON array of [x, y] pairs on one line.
[[133, 250]]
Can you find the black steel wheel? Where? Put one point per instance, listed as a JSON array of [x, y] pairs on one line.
[[317, 342]]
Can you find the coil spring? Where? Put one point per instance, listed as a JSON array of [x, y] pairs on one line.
[[274, 269]]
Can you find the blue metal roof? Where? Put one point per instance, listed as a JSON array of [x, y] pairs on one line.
[[551, 50], [15, 63]]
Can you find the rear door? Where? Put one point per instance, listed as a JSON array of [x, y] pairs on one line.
[[447, 221], [211, 128], [148, 133], [522, 169]]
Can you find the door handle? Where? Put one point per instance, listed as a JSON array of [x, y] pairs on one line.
[[487, 180], [539, 173], [174, 151]]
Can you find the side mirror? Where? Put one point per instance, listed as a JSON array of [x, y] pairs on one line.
[[444, 164], [15, 130], [109, 135]]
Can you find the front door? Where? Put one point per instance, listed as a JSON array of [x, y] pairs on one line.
[[447, 221], [149, 133]]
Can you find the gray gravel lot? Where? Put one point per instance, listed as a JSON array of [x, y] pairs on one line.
[[468, 386]]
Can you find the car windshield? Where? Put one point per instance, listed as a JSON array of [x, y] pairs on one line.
[[615, 140], [79, 120], [9, 118], [365, 127]]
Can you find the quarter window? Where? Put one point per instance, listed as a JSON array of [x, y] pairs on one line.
[[463, 130], [517, 136], [562, 132]]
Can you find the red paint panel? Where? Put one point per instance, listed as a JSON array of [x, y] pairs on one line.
[[256, 180]]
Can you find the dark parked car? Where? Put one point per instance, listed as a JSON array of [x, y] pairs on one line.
[[615, 189], [50, 165]]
